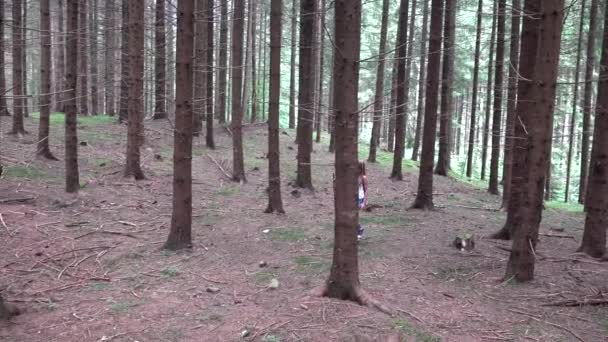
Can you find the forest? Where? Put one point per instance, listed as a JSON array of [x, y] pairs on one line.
[[303, 170]]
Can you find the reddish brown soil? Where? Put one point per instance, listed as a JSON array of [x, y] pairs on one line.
[[76, 283]]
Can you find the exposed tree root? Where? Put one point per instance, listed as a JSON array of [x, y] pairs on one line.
[[7, 310], [503, 234], [359, 296]]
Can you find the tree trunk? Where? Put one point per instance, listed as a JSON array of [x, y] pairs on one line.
[[3, 105], [473, 124], [160, 64], [180, 235], [94, 57], [535, 130], [45, 81], [238, 164], [511, 101], [319, 111], [421, 81], [72, 182], [223, 61], [110, 56], [308, 10], [123, 113], [486, 125], [209, 141], [401, 49], [575, 103], [200, 67], [445, 121], [379, 96], [292, 67], [587, 106], [498, 83], [392, 109], [596, 202], [275, 203], [59, 60], [83, 63], [135, 135], [254, 95], [424, 197], [25, 103], [18, 43], [343, 282]]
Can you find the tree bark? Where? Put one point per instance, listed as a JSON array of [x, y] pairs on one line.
[[594, 236], [223, 61], [473, 124], [160, 63], [379, 96], [445, 122], [209, 141], [401, 109], [575, 103], [587, 106], [292, 67], [498, 83], [45, 81], [275, 203], [511, 101], [72, 182], [123, 113], [308, 10], [424, 197], [343, 282], [421, 82], [83, 63], [180, 235], [110, 56], [18, 43], [3, 103], [535, 129], [238, 164], [486, 125], [135, 134]]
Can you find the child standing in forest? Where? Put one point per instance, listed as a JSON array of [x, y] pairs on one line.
[[362, 194]]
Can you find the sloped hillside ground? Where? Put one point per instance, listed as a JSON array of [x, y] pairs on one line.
[[91, 268]]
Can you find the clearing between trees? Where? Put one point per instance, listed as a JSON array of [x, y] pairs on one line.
[[90, 267]]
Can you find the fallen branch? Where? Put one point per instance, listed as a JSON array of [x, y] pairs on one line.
[[226, 174], [16, 200], [574, 302], [106, 232], [5, 226], [564, 236], [536, 318], [475, 208]]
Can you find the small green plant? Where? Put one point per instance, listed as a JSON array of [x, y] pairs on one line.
[[97, 286], [571, 207], [123, 306], [20, 171], [308, 264], [169, 272], [271, 338], [408, 329], [288, 234]]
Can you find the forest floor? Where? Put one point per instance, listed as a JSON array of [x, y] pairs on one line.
[[91, 268]]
